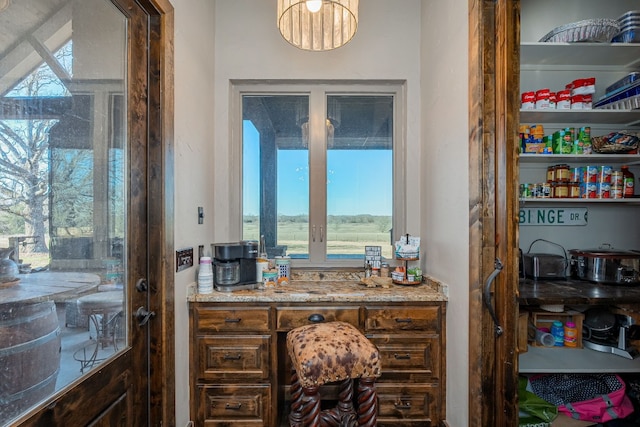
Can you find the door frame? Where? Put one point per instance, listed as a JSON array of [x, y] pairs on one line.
[[494, 39], [161, 214]]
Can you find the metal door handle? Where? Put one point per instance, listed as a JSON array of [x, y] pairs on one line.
[[143, 315], [486, 296], [321, 234], [313, 233]]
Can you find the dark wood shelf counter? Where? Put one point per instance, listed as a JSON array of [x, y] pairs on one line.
[[577, 292]]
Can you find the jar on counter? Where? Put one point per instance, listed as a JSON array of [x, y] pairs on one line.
[[384, 270]]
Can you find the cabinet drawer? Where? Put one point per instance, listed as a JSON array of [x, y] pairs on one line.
[[413, 356], [403, 319], [293, 317], [408, 405], [239, 405], [209, 319], [234, 357]]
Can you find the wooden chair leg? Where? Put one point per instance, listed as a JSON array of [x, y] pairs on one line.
[[367, 402], [343, 413], [295, 416], [311, 406]]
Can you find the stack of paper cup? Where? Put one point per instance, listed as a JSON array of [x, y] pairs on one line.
[[205, 276]]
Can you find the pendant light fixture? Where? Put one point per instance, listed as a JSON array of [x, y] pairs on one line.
[[317, 25]]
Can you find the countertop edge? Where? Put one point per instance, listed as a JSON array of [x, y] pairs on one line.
[[431, 290]]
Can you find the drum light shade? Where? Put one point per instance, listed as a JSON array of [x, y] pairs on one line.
[[332, 26]]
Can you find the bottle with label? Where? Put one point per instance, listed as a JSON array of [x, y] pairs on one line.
[[557, 330], [628, 183], [570, 334]]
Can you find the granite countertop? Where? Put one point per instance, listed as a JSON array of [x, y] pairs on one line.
[[325, 287]]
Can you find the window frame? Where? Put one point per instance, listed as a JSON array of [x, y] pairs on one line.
[[318, 91]]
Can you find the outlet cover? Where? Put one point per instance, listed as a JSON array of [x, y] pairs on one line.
[[184, 259]]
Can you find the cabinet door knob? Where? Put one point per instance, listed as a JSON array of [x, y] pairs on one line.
[[316, 318]]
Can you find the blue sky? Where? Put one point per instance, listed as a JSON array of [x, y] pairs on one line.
[[359, 181]]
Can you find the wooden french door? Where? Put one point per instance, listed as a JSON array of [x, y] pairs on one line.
[[493, 113], [120, 88]]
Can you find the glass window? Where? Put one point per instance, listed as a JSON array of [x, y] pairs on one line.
[[318, 172], [63, 198]]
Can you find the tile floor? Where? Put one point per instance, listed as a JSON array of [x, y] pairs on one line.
[[77, 343]]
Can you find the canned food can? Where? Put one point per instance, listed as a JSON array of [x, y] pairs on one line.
[[270, 278], [617, 191], [616, 178], [545, 190], [525, 191]]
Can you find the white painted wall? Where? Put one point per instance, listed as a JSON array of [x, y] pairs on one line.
[[194, 151], [445, 176], [423, 42]]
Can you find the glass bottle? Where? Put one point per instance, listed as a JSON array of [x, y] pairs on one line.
[[628, 182]]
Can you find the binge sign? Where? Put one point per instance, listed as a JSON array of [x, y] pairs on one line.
[[553, 216]]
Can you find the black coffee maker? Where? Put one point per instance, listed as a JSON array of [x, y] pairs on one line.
[[234, 265]]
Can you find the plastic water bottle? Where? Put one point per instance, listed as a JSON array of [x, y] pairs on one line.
[[205, 276]]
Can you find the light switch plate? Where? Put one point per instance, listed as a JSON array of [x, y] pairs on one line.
[[184, 259]]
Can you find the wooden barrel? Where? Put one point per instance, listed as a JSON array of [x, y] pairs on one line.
[[29, 355]]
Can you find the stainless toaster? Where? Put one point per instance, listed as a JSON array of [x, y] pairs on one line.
[[544, 266]]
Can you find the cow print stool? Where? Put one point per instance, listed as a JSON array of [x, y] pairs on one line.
[[331, 352]]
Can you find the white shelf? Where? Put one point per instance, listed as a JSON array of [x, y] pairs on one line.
[[549, 360], [593, 116], [622, 159], [586, 56], [540, 201]]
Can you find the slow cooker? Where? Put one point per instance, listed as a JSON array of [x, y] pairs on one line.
[[617, 267]]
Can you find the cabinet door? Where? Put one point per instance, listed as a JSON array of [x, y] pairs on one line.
[[228, 319], [293, 317], [414, 358], [237, 405], [234, 357], [408, 405], [403, 319]]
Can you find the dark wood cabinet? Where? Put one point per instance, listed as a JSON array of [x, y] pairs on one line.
[[240, 369]]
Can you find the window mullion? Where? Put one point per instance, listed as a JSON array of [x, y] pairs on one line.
[[317, 177]]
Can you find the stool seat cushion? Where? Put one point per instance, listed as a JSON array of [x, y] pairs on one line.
[[330, 352]]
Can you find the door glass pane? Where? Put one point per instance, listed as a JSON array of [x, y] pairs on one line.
[[275, 173], [359, 174], [62, 195]]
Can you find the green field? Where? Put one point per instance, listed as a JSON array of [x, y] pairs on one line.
[[345, 234]]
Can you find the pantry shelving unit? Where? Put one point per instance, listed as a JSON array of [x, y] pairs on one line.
[[612, 221]]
